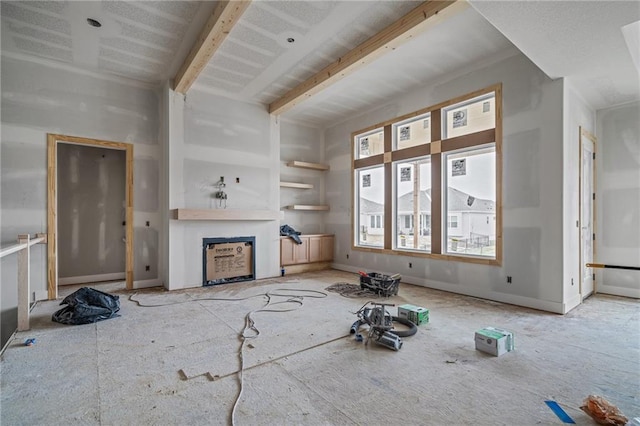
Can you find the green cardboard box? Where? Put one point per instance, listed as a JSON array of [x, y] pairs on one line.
[[415, 314], [495, 341]]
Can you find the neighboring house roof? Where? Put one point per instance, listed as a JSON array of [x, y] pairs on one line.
[[458, 201], [370, 207]]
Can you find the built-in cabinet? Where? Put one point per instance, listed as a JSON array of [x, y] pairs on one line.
[[314, 248]]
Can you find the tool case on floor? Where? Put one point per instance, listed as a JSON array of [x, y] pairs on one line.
[[383, 285]]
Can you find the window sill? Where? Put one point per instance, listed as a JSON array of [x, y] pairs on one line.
[[446, 257]]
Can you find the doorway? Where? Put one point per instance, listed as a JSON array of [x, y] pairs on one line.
[[58, 199], [587, 211]]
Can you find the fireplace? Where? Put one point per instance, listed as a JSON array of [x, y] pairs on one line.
[[228, 260]]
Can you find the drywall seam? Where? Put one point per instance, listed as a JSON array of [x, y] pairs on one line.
[[73, 69]]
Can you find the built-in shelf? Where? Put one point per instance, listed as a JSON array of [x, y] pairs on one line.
[[296, 185], [305, 165], [307, 207], [225, 214]]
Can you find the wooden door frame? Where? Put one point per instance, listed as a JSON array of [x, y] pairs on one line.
[[588, 135], [52, 205]]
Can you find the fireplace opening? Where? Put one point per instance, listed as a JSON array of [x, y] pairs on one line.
[[228, 260]]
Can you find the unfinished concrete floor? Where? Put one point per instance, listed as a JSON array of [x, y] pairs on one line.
[[304, 368]]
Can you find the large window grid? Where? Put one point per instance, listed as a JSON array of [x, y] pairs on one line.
[[437, 173]]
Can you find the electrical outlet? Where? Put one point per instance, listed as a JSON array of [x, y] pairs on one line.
[[148, 223], [508, 279], [410, 265], [347, 255], [147, 268], [571, 281], [237, 180]]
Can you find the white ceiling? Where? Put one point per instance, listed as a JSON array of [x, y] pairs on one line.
[[148, 40], [581, 40]]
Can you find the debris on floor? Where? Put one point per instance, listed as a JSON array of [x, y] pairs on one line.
[[558, 411], [349, 290], [603, 412], [86, 306], [30, 342], [494, 341]]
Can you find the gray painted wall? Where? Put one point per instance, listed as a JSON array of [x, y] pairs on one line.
[[38, 99], [302, 143], [532, 190], [618, 199], [91, 210]]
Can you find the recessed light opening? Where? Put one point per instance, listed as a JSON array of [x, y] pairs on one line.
[[94, 23]]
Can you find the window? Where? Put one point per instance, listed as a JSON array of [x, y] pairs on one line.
[[452, 222], [370, 144], [470, 197], [412, 132], [426, 183], [469, 117], [412, 202], [370, 205]]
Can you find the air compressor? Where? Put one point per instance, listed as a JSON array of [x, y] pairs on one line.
[[380, 323]]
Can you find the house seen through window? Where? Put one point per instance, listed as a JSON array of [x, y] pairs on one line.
[[426, 183]]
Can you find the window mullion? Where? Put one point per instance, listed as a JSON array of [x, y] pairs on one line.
[[436, 185], [388, 190]]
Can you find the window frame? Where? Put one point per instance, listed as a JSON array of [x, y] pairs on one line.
[[436, 149]]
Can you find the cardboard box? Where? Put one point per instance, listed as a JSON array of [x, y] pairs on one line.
[[229, 260], [415, 314], [494, 341]]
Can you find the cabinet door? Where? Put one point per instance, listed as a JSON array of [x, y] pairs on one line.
[[315, 249], [287, 251], [302, 251], [327, 248]]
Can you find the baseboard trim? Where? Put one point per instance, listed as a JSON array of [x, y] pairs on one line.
[[91, 278], [574, 302], [154, 282], [619, 291], [306, 267], [527, 302]]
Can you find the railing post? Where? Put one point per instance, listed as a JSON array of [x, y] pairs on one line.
[[23, 283]]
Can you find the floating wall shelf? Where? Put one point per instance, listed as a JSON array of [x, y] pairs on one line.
[[225, 214], [305, 165], [308, 207], [296, 185]]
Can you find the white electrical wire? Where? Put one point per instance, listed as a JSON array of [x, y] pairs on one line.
[[250, 331]]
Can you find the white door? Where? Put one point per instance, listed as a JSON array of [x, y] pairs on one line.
[[587, 195]]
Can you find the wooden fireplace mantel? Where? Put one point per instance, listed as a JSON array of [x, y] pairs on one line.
[[225, 214]]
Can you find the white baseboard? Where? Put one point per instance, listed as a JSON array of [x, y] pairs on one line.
[[528, 302], [572, 303], [155, 282], [91, 278], [619, 291]]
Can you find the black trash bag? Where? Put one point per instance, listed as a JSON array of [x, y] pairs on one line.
[[287, 231], [87, 306]]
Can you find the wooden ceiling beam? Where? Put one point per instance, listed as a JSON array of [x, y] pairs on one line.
[[225, 15], [413, 23]]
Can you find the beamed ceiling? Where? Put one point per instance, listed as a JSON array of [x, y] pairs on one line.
[[318, 61]]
